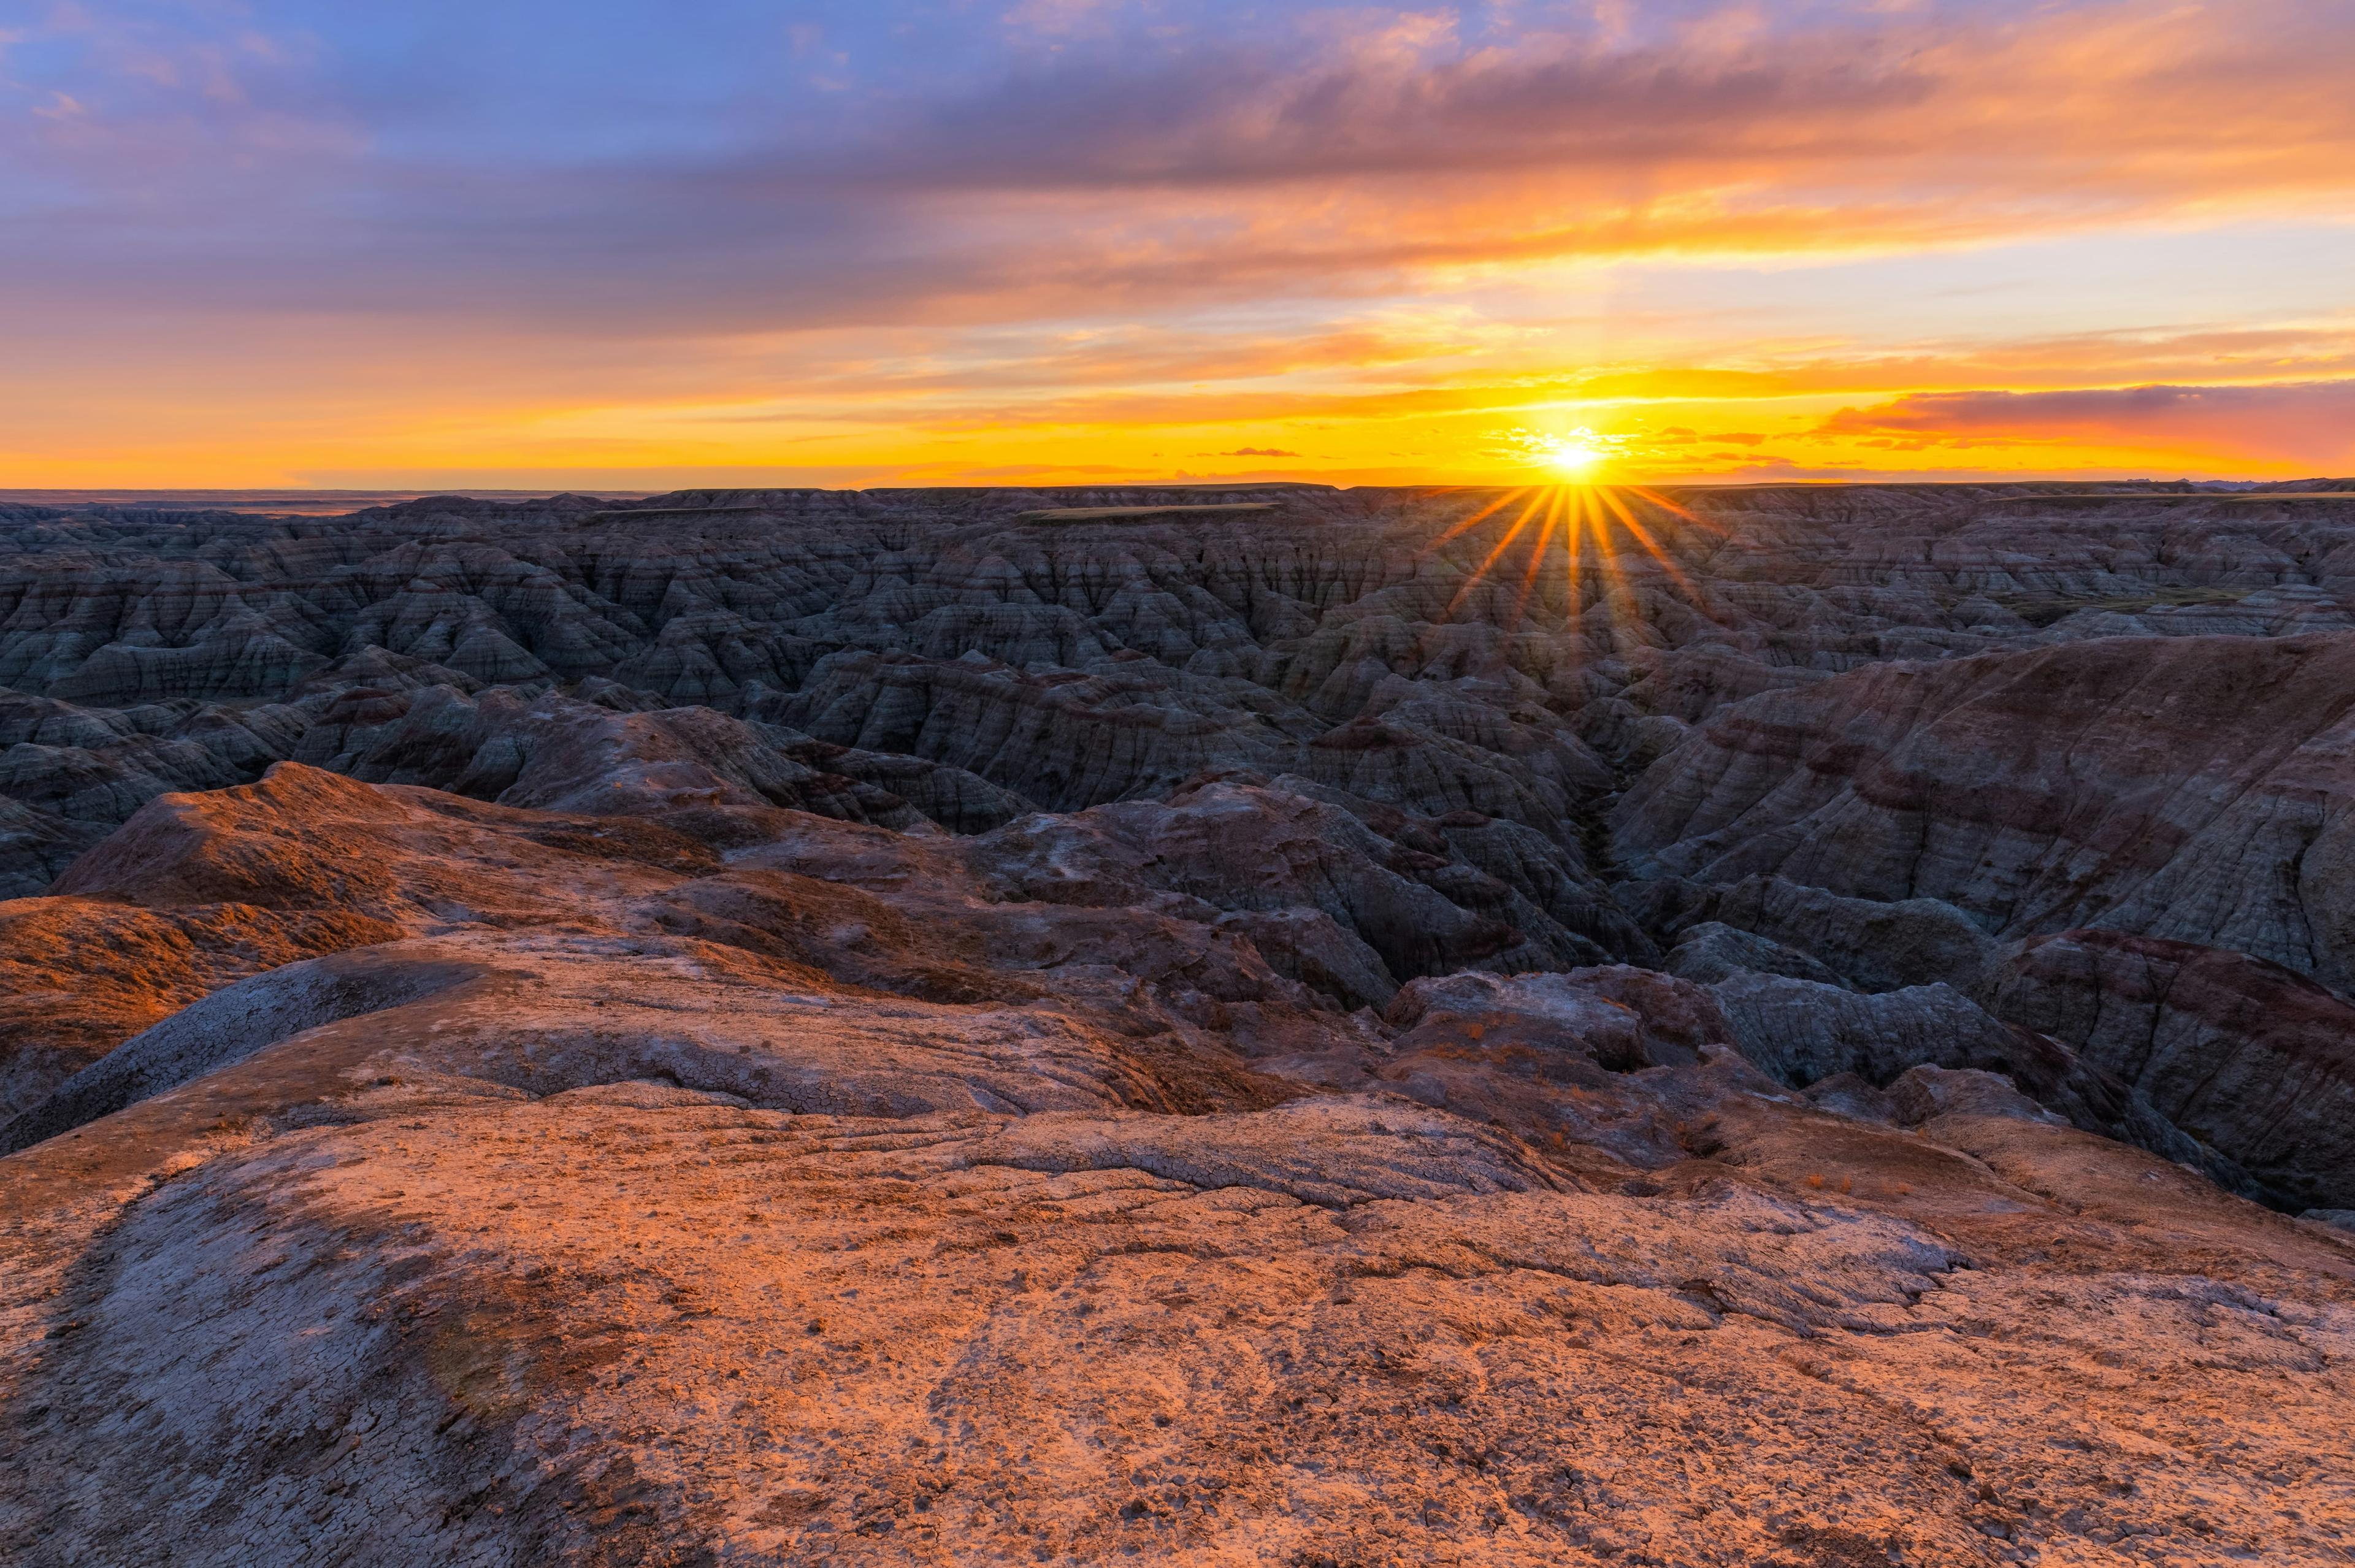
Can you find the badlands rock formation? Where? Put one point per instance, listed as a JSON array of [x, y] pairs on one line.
[[1788, 1026]]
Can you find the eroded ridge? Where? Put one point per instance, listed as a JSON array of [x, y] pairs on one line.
[[1282, 1026]]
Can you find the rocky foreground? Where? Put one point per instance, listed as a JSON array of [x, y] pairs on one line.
[[1787, 1026]]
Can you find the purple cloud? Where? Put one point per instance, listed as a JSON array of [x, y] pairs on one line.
[[2307, 421]]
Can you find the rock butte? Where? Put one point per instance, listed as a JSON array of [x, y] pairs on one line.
[[1186, 1026]]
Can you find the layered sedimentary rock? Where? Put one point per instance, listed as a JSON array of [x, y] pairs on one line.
[[2243, 1053], [2198, 789], [793, 1027]]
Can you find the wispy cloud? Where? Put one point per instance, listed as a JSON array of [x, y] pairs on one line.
[[1331, 153], [1087, 221], [2311, 422]]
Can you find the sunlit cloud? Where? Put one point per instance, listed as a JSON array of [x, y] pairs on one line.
[[2304, 422], [1062, 237]]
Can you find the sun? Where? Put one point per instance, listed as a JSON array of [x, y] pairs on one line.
[[1572, 456]]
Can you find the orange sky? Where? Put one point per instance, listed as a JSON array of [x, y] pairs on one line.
[[1079, 241]]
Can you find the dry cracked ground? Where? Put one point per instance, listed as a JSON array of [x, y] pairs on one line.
[[1791, 1026]]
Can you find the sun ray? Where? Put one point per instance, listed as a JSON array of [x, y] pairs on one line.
[[1553, 521], [1651, 546], [1481, 571], [1491, 509], [1618, 593], [1574, 543], [1708, 525]]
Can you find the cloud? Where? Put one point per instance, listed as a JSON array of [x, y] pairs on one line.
[[2310, 421], [1136, 164], [1027, 230]]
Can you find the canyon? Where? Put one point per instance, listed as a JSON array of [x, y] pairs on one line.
[[1788, 1025]]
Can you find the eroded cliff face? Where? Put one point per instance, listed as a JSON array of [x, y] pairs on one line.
[[801, 1026], [2191, 788]]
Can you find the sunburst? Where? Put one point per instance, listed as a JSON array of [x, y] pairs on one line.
[[1573, 458], [1572, 455], [1596, 527]]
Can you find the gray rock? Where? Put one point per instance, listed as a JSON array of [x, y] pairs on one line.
[[1801, 1033], [2189, 788], [1851, 1095], [1873, 944], [1710, 951], [1922, 1093], [2250, 1057]]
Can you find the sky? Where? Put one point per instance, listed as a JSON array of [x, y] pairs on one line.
[[635, 245]]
